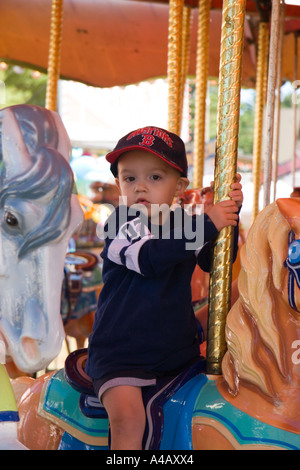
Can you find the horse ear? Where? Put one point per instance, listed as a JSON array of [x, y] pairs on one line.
[[64, 145], [14, 151], [290, 209]]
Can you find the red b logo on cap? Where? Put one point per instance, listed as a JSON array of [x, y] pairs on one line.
[[148, 140]]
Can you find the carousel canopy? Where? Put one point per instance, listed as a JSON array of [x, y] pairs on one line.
[[117, 42]]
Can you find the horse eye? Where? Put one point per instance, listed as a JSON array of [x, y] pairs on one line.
[[294, 252], [11, 220]]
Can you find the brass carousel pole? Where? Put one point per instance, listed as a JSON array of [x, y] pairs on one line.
[[277, 109], [295, 107], [272, 72], [261, 80], [225, 170], [54, 54], [185, 51], [201, 91], [175, 64]]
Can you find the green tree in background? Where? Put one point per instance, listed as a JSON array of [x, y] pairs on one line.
[[25, 86], [246, 130], [247, 111], [287, 101], [22, 86]]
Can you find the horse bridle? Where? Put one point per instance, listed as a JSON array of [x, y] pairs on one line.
[[292, 262]]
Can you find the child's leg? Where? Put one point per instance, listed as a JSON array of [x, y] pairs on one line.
[[126, 412]]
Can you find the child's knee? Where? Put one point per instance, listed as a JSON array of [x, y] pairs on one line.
[[128, 423], [125, 408]]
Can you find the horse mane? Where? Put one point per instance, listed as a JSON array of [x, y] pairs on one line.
[[252, 333], [49, 179]]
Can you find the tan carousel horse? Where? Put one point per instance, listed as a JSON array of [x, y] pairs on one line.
[[261, 369], [254, 405]]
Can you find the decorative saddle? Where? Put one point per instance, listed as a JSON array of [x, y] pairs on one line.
[[91, 418]]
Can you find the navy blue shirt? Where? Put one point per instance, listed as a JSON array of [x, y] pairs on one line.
[[145, 320]]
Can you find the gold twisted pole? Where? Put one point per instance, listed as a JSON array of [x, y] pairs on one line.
[[185, 51], [201, 90], [261, 81], [174, 64], [54, 54], [295, 106], [232, 38]]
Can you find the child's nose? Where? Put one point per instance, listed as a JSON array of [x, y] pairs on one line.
[[140, 186]]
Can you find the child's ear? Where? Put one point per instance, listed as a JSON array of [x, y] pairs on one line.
[[182, 184], [117, 183]]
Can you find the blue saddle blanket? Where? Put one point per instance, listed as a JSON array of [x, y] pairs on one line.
[[61, 405], [84, 418]]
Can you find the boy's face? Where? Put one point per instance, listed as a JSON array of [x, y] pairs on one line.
[[146, 179]]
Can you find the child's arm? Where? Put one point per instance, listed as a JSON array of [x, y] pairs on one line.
[[223, 214], [151, 257], [138, 250]]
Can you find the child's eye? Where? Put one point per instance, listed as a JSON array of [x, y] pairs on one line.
[[129, 179], [155, 177]]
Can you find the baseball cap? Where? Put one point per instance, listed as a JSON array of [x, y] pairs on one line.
[[164, 144]]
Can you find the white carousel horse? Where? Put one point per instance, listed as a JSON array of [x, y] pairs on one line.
[[39, 214], [255, 404]]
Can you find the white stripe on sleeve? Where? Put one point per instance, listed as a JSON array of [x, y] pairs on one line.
[[132, 255]]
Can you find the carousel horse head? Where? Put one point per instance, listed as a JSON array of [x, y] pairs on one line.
[[263, 326], [38, 214]]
